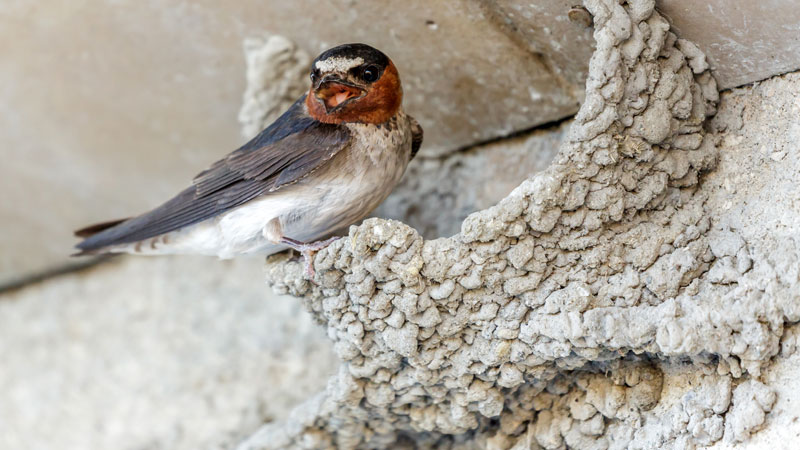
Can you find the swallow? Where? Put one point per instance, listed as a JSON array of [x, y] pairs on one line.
[[324, 164]]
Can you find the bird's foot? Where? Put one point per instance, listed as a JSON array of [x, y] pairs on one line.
[[308, 250]]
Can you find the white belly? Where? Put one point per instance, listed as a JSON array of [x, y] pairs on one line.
[[305, 214], [238, 231]]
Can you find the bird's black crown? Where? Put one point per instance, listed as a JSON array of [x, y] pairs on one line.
[[370, 55]]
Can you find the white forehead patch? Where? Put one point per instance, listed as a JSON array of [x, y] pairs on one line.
[[338, 64]]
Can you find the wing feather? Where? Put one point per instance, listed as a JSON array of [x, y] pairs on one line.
[[416, 136]]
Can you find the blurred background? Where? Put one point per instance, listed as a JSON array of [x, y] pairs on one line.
[[109, 107]]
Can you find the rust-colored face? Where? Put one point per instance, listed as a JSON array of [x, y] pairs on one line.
[[354, 83]]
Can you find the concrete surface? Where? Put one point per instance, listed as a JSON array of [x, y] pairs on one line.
[[744, 40], [153, 353], [183, 353]]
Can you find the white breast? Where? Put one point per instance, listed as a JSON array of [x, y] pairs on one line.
[[362, 178]]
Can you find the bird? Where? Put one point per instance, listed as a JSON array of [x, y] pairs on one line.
[[323, 165]]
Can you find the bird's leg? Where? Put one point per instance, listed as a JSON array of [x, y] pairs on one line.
[[308, 250], [273, 231]]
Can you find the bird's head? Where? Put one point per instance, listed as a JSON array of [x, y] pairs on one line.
[[354, 83]]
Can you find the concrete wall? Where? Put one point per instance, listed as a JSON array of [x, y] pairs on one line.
[[107, 108]]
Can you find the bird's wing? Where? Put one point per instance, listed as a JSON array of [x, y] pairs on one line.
[[291, 148], [416, 136]]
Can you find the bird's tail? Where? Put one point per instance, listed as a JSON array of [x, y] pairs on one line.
[[92, 230], [98, 227]]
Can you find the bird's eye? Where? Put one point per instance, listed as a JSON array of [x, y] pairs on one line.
[[370, 74], [313, 77]]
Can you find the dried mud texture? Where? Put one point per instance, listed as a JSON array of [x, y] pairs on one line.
[[437, 194], [277, 74], [597, 306]]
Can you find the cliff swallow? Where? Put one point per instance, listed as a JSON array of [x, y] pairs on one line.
[[326, 163]]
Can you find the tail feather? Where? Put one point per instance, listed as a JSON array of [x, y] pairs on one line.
[[91, 230], [88, 247]]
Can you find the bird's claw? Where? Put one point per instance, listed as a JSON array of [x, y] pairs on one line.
[[308, 250]]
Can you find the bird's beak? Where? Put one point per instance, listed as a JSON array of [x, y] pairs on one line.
[[334, 92]]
